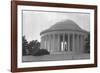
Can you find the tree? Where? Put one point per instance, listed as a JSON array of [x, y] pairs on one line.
[[24, 46], [41, 52], [87, 44], [34, 45]]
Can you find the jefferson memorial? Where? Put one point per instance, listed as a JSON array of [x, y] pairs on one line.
[[64, 37]]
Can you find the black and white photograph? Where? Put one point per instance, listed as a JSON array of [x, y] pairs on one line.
[[55, 35], [50, 36]]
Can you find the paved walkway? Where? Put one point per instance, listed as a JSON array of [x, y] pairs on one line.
[[54, 57]]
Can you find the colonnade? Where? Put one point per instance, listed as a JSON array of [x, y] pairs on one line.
[[63, 42]]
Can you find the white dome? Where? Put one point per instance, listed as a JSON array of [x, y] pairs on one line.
[[63, 25], [67, 24]]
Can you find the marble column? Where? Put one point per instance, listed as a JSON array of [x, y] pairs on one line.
[[53, 42], [47, 46], [41, 42], [63, 41], [45, 41], [68, 42], [79, 43], [73, 49], [82, 44], [58, 42], [50, 38], [49, 42]]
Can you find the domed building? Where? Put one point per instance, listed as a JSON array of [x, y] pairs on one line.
[[63, 37]]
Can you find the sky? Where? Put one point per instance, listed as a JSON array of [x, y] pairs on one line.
[[36, 21]]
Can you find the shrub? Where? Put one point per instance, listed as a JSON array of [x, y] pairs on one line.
[[41, 52], [33, 51]]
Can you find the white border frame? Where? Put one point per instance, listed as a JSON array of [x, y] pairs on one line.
[[52, 63]]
